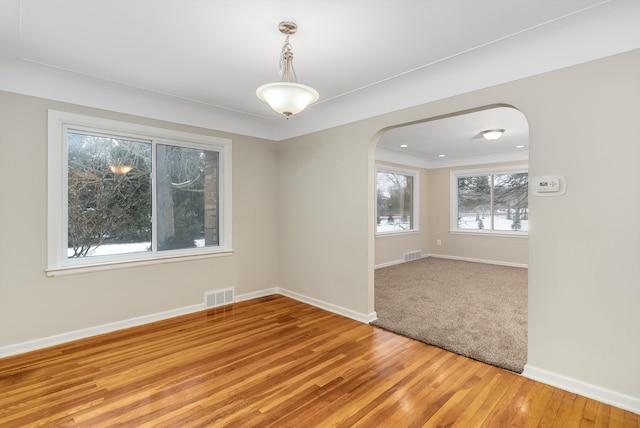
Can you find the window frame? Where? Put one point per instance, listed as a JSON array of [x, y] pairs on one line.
[[453, 200], [414, 198], [59, 123]]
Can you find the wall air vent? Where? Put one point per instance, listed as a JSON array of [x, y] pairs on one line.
[[414, 255], [217, 298]]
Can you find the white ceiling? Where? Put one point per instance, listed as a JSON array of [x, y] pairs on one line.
[[200, 61], [458, 140]]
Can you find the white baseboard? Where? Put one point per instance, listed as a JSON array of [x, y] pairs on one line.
[[464, 259], [257, 294], [397, 262], [469, 259], [588, 390], [58, 339], [387, 264], [363, 318]]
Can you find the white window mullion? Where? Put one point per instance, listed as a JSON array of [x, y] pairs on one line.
[[64, 250], [491, 200], [154, 209]]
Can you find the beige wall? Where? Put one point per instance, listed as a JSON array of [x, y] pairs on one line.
[[324, 235], [33, 306], [317, 238], [584, 273]]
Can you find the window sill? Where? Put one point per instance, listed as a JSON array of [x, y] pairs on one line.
[[497, 233], [122, 264], [398, 233]]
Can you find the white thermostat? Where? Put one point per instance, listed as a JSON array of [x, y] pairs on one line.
[[553, 185]]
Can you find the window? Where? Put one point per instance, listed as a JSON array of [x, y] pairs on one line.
[[490, 202], [120, 192], [396, 200]]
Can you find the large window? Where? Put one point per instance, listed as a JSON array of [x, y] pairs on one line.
[[396, 200], [490, 202], [121, 192]]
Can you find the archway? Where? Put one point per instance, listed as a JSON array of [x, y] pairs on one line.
[[455, 167]]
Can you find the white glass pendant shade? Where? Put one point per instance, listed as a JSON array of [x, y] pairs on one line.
[[287, 97]]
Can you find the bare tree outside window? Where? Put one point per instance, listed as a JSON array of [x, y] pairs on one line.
[[187, 197], [510, 204], [109, 195], [395, 204], [493, 202]]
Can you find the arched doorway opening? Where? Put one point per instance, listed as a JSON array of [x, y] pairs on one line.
[[447, 195]]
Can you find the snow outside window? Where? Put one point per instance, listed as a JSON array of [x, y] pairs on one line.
[[396, 200], [121, 192], [493, 202]]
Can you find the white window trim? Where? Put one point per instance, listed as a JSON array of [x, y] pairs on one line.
[[57, 261], [453, 201], [415, 199]]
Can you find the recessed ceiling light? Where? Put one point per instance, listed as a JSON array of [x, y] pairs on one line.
[[441, 156], [404, 146], [521, 146]]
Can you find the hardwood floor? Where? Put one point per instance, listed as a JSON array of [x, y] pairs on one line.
[[276, 362]]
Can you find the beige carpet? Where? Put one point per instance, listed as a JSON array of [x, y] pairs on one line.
[[473, 309]]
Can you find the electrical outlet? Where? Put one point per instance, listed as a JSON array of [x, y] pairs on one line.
[[439, 242]]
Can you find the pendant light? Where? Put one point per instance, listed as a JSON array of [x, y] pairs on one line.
[[287, 97]]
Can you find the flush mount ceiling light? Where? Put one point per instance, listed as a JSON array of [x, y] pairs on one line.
[[287, 97], [492, 134]]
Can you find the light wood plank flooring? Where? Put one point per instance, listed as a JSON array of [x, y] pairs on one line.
[[276, 362]]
